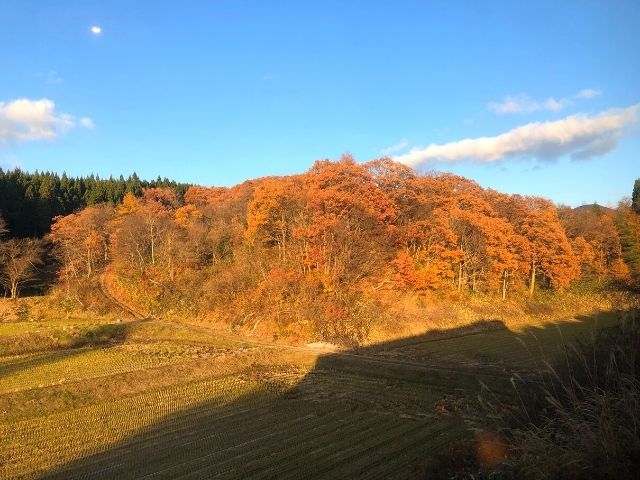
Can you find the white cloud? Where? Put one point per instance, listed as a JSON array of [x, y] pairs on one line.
[[580, 136], [554, 105], [522, 103], [25, 120], [588, 93], [86, 122], [401, 145]]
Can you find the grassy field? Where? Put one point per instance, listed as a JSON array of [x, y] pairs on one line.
[[152, 399]]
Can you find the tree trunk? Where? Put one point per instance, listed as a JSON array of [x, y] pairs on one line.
[[153, 254], [460, 267], [504, 284], [283, 236], [89, 269], [532, 279]]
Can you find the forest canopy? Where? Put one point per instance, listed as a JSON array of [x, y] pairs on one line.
[[29, 201], [316, 251]]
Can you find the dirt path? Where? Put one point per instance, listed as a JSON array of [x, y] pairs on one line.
[[104, 287], [371, 360]]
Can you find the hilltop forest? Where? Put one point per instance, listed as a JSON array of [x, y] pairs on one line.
[[317, 255]]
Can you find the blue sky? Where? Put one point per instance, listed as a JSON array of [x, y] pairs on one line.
[[215, 92]]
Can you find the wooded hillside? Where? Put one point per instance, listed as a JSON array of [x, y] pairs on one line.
[[315, 252]]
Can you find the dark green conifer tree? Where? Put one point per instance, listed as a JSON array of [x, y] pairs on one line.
[[635, 197]]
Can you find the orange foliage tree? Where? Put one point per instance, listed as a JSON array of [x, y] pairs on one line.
[[272, 211], [593, 232], [546, 245], [347, 221], [81, 240]]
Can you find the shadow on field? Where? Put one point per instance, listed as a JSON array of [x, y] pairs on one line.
[[57, 345], [36, 360], [376, 412]]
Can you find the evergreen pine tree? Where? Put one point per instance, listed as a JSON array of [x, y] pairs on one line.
[[635, 197]]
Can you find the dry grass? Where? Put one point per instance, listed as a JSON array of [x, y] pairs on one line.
[[400, 414], [578, 417], [586, 423], [412, 314]]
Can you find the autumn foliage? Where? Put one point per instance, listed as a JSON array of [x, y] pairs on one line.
[[309, 254]]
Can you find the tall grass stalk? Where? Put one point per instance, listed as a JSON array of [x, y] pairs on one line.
[[588, 424]]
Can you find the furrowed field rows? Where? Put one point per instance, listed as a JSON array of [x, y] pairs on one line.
[[284, 442], [248, 439], [355, 461], [191, 439], [296, 445], [442, 377], [399, 459], [479, 350], [333, 452], [43, 369], [227, 428], [426, 434], [39, 445], [324, 386], [376, 412], [492, 349], [240, 443]]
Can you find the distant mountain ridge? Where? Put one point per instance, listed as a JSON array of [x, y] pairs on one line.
[[594, 206]]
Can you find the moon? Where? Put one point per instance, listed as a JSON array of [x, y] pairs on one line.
[[96, 30]]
